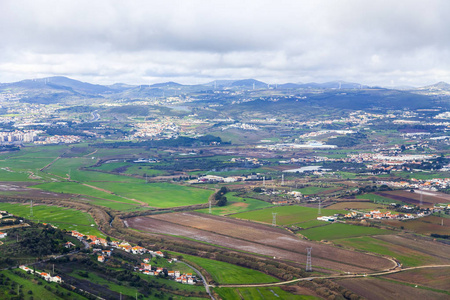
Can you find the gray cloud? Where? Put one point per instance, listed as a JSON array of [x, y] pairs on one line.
[[373, 42]]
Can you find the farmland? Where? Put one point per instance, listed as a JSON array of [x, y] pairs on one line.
[[225, 273], [161, 195], [436, 278], [406, 256], [259, 293], [428, 198], [63, 218], [355, 205], [426, 225], [339, 231], [236, 204], [286, 215], [375, 288], [252, 237]]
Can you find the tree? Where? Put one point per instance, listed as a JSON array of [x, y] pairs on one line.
[[222, 201]]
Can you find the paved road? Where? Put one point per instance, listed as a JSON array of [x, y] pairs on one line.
[[207, 286], [333, 276]]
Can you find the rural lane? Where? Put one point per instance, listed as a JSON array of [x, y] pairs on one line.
[[203, 278], [331, 277]]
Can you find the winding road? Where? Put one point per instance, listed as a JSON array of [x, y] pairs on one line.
[[331, 277]]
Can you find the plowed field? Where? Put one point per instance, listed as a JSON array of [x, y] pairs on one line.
[[428, 198], [257, 238]]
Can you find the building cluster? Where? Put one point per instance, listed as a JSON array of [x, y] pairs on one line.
[[323, 132], [48, 277], [26, 136], [243, 126], [215, 179], [433, 184], [155, 129], [147, 269], [60, 139], [292, 146]]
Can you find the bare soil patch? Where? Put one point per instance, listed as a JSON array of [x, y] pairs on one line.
[[426, 225], [439, 251], [428, 199], [239, 204], [257, 238], [21, 190], [374, 289], [355, 205], [438, 278]]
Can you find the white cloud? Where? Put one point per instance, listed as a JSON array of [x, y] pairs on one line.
[[372, 42]]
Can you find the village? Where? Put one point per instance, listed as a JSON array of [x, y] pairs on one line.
[[146, 268], [99, 249]]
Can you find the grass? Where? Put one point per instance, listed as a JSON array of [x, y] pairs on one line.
[[39, 291], [236, 204], [310, 190], [131, 169], [286, 215], [225, 273], [378, 199], [339, 231], [161, 195], [312, 223], [63, 218], [423, 175], [79, 189], [259, 293], [131, 291], [374, 245]]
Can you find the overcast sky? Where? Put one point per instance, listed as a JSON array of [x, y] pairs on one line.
[[390, 43]]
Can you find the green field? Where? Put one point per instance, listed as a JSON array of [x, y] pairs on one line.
[[374, 245], [259, 293], [63, 218], [286, 215], [236, 204], [310, 190], [225, 273], [130, 168], [377, 198], [158, 194], [79, 189], [339, 231], [423, 175], [39, 288]]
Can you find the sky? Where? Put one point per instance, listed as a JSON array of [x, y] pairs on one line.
[[376, 42]]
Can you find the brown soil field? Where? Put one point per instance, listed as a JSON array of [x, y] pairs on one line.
[[239, 204], [21, 190], [257, 238], [438, 278], [425, 225], [355, 205], [428, 199], [374, 289], [438, 251]]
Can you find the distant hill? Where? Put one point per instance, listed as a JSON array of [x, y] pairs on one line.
[[242, 83], [166, 84], [59, 83], [365, 99], [440, 85]]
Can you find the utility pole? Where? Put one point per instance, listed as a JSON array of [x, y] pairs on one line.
[[274, 219]]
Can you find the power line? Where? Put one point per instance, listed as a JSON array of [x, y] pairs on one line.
[[308, 259]]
